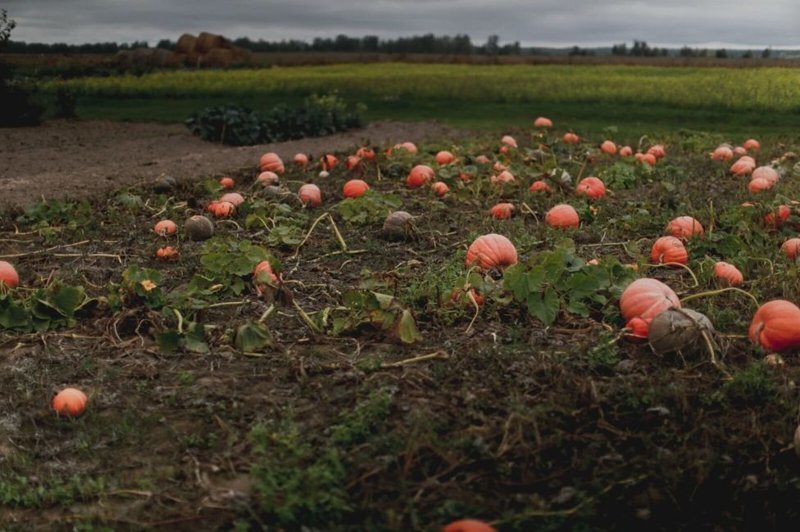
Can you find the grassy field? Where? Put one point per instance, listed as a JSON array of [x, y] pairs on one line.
[[636, 99]]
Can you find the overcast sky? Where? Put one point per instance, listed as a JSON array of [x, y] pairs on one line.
[[674, 23]]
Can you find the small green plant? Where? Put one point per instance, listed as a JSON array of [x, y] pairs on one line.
[[44, 309], [751, 386], [365, 307], [370, 207], [226, 264], [557, 280]]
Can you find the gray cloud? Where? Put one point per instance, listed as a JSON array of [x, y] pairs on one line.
[[535, 22]]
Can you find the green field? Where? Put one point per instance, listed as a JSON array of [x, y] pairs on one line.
[[635, 99]]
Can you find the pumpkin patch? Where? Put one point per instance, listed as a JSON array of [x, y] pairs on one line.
[[516, 337]]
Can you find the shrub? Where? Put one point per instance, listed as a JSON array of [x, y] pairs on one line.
[[240, 126]]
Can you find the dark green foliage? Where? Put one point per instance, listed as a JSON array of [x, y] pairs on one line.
[[241, 126]]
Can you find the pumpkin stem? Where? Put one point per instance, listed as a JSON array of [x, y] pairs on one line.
[[311, 230], [720, 291], [477, 311], [717, 364], [180, 320], [673, 264], [342, 243], [306, 319]]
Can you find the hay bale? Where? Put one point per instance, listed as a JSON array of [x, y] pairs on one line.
[[193, 59], [176, 60], [160, 57], [141, 56], [242, 56], [208, 41], [218, 58], [124, 58], [186, 43]]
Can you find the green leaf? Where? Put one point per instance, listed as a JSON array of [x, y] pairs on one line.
[[67, 299], [194, 339], [168, 341], [252, 337], [544, 306], [407, 328]]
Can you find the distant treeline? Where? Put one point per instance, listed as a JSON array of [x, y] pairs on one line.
[[460, 44], [418, 44]]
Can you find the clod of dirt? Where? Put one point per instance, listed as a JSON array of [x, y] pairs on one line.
[[678, 329], [199, 228]]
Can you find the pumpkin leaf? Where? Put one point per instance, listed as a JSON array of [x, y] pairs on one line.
[[253, 336], [407, 328], [545, 305]]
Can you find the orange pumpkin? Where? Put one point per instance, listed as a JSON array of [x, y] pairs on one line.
[[744, 166], [777, 217], [267, 178], [774, 326], [502, 211], [233, 197], [766, 172], [459, 294], [508, 140], [625, 151], [328, 162], [300, 159], [738, 151], [684, 227], [310, 195], [226, 182], [468, 525], [658, 151], [563, 216], [648, 158], [223, 209], [420, 175], [491, 251], [9, 278], [759, 185], [264, 277], [165, 228], [352, 161], [608, 147], [722, 153], [669, 249], [354, 188], [499, 167], [791, 248], [571, 138], [440, 188], [366, 153], [70, 402], [542, 122], [482, 159], [728, 274], [540, 186], [503, 177], [444, 157], [643, 300], [167, 253], [751, 145], [410, 147], [592, 187], [271, 162]]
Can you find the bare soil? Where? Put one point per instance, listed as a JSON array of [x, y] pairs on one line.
[[65, 159]]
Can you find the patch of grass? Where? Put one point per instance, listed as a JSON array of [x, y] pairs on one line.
[[22, 491]]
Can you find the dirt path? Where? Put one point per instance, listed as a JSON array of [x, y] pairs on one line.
[[81, 159]]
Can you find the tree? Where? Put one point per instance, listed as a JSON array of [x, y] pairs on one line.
[[492, 44], [6, 25], [722, 53], [748, 54], [766, 53], [620, 49]]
